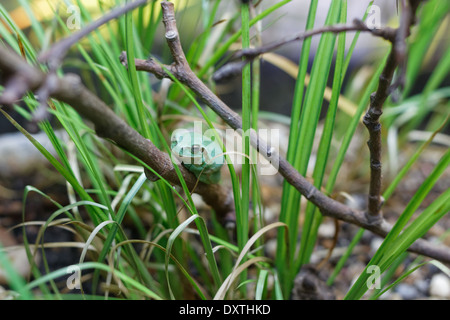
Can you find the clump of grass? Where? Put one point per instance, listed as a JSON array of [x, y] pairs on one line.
[[108, 191]]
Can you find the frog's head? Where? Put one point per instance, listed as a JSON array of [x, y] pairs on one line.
[[187, 146], [197, 152]]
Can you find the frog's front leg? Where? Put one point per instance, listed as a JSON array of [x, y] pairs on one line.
[[199, 154]]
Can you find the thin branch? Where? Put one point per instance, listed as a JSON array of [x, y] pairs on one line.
[[56, 53], [108, 125], [328, 207], [378, 98], [22, 77], [250, 54], [372, 122], [357, 25]]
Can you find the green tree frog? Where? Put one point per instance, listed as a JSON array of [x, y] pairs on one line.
[[199, 154]]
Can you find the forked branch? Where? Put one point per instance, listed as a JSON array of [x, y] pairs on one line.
[[377, 99], [328, 206], [21, 77]]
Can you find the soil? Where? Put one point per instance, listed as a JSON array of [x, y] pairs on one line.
[[416, 286]]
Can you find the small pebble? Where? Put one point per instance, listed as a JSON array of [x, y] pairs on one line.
[[198, 200], [356, 201], [407, 291], [375, 244], [422, 286], [271, 248], [440, 286], [327, 230], [269, 214]]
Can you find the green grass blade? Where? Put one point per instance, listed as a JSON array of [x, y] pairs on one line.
[[97, 266], [118, 219], [15, 281], [439, 74], [144, 128], [66, 173], [312, 217], [325, 142], [309, 118], [405, 169], [170, 243], [36, 26], [351, 128], [242, 216], [420, 195], [397, 281], [395, 243], [282, 254], [261, 284], [430, 20], [220, 52], [391, 249], [345, 256], [419, 227]]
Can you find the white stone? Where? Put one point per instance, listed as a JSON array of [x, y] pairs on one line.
[[375, 244], [271, 248], [18, 155], [440, 286], [327, 230]]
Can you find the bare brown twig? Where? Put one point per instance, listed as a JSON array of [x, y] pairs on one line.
[[250, 54], [57, 52], [357, 25], [377, 99], [22, 77], [108, 125], [53, 57], [328, 207]]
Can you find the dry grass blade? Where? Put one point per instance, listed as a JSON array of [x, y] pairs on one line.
[[237, 268], [91, 238], [220, 295]]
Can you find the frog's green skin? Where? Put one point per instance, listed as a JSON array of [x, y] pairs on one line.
[[199, 154]]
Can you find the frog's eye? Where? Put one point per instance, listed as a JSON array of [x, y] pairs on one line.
[[176, 139], [185, 150], [196, 148]]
